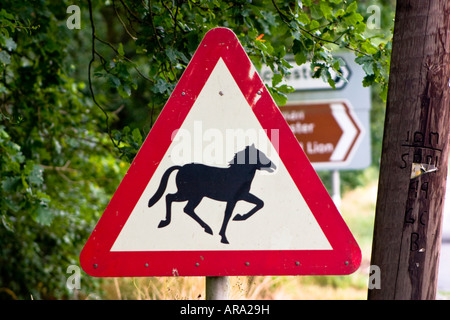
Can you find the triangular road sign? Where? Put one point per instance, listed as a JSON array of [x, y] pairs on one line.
[[220, 186]]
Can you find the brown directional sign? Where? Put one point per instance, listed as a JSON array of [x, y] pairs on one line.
[[328, 131]]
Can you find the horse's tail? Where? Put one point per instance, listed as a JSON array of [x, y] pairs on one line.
[[162, 186]]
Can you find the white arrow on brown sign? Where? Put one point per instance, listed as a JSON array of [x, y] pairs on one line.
[[328, 131]]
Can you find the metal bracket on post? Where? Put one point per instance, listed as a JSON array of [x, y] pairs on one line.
[[217, 288]]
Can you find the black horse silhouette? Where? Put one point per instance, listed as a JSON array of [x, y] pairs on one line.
[[195, 181]]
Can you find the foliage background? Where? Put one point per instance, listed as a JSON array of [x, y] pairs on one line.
[[76, 104]]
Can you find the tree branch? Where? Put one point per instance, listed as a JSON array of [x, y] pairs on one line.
[[123, 24], [130, 12], [65, 167], [126, 58], [108, 129], [287, 21]]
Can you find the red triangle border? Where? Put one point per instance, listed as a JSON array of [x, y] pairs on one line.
[[97, 259]]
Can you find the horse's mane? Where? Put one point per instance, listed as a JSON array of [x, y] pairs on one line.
[[238, 155], [234, 160]]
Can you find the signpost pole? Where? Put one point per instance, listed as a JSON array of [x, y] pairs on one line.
[[217, 288], [336, 188]]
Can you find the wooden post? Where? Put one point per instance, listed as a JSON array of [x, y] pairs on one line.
[[408, 220], [217, 288]]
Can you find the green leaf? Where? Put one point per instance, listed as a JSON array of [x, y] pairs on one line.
[[352, 7], [10, 183], [7, 223], [368, 68], [279, 97], [368, 80], [285, 88], [8, 43], [303, 18], [25, 183], [171, 54], [124, 91], [137, 137], [44, 216], [161, 86], [336, 65], [6, 15], [353, 19], [384, 92], [15, 207], [339, 13], [368, 47], [116, 134], [314, 25], [367, 64], [327, 11], [120, 50], [36, 175], [316, 69], [276, 79], [14, 152], [113, 81], [300, 52], [5, 58], [331, 82]]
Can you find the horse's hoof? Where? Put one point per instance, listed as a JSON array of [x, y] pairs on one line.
[[208, 230], [239, 217], [163, 223], [224, 240]]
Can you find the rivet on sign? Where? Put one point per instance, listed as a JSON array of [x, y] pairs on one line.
[[146, 265], [297, 263], [247, 263], [183, 93], [346, 263], [221, 93], [197, 264], [259, 92], [95, 265]]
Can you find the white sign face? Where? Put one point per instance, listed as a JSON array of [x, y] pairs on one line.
[[219, 125], [301, 77]]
